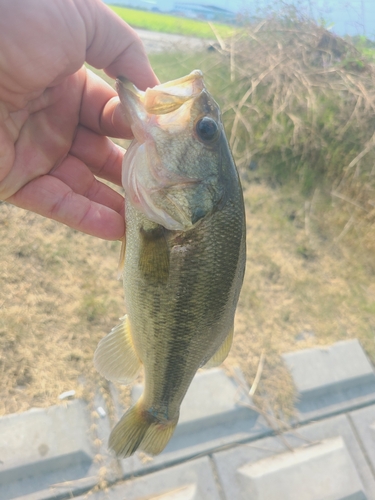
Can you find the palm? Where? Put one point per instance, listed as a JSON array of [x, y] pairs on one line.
[[54, 116]]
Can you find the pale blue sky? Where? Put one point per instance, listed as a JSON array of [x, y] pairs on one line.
[[347, 16]]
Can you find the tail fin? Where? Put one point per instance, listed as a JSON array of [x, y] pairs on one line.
[[138, 429]]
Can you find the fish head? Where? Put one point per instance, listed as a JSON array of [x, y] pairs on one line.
[[178, 168]]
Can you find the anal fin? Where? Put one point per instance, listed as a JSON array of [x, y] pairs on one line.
[[115, 357], [221, 353]]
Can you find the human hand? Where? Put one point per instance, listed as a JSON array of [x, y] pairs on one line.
[[55, 114]]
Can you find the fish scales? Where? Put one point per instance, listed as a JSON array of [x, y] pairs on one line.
[[184, 260], [172, 316]]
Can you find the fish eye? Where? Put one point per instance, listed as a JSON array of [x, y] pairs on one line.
[[207, 129]]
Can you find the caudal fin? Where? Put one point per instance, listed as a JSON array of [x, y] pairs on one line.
[[138, 430]]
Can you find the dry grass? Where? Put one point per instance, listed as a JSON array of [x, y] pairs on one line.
[[54, 308], [301, 104], [59, 296], [303, 287]]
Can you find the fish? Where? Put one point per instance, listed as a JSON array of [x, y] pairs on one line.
[[184, 256]]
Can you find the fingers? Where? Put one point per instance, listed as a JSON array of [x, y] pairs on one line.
[[80, 179], [70, 113], [100, 154], [52, 198], [101, 109], [72, 195], [7, 153], [115, 46], [10, 126], [46, 136]]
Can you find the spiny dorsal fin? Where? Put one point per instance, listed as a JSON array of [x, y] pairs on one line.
[[115, 357], [221, 353]]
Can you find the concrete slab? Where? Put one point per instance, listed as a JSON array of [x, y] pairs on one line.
[[48, 453], [193, 480], [326, 448], [330, 380], [213, 414], [320, 471], [108, 466], [364, 423]]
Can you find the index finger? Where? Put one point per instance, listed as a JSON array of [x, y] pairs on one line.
[[114, 46]]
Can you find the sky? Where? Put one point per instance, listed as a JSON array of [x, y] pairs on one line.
[[352, 17]]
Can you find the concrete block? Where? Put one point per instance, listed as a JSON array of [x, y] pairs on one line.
[[213, 414], [193, 480], [47, 453], [364, 423], [317, 472], [330, 380], [326, 452]]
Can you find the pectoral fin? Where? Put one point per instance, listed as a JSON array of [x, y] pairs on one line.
[[154, 255], [121, 261], [221, 353], [115, 357]]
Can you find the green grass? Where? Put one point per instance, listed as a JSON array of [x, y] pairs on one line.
[[365, 46], [166, 23]]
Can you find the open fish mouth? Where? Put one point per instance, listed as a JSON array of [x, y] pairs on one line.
[[166, 97], [158, 176]]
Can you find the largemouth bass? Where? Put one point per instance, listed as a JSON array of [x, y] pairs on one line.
[[184, 259]]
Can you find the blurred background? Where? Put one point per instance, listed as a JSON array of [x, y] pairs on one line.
[[352, 17]]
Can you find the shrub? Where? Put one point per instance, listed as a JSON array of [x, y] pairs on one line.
[[298, 101]]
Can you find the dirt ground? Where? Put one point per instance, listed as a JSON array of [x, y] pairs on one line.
[[305, 285]]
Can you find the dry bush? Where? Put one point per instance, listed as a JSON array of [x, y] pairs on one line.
[[299, 101]]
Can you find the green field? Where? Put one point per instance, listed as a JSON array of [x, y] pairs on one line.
[[165, 23]]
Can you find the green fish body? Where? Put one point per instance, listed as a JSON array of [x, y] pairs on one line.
[[184, 260]]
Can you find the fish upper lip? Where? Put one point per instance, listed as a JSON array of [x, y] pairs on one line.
[[145, 100]]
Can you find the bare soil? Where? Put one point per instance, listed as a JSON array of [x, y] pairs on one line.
[[306, 284]]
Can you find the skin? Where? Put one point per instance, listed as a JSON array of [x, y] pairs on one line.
[[55, 114]]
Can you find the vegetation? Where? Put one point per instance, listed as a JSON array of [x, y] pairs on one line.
[[365, 46], [165, 23]]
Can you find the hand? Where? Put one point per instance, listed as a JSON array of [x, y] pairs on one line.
[[55, 114]]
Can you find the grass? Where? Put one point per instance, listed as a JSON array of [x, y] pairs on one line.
[[60, 296], [365, 46], [166, 23], [54, 308]]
